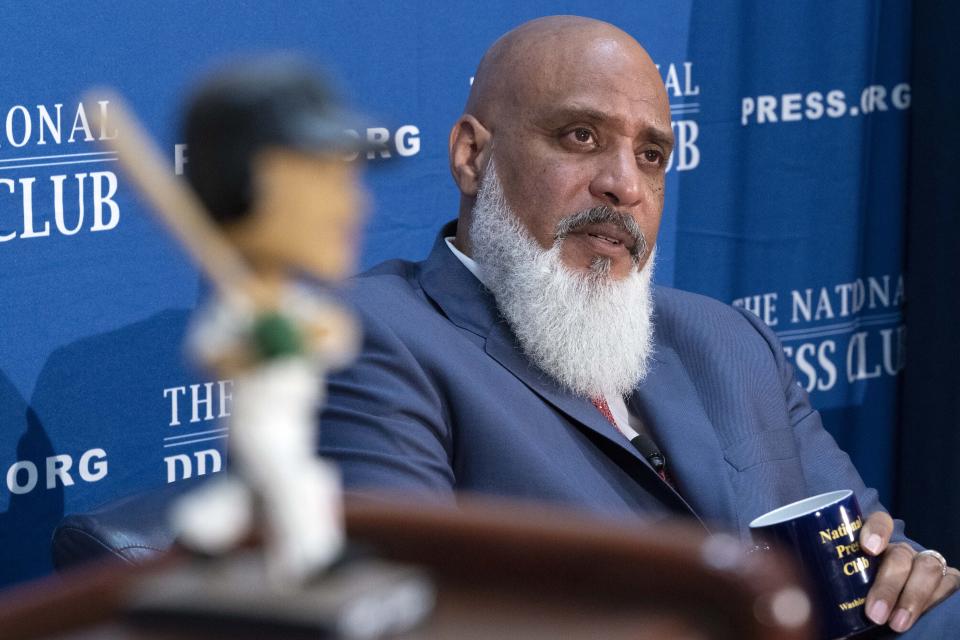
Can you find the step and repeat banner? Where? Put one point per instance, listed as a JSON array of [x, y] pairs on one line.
[[785, 196]]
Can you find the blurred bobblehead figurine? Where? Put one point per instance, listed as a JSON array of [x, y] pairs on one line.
[[266, 156]]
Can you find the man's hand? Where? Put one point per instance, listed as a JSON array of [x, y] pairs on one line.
[[907, 583]]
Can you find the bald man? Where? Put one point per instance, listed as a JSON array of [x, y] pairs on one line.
[[530, 356]]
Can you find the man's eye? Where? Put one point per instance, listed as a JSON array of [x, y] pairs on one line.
[[652, 156], [582, 135]]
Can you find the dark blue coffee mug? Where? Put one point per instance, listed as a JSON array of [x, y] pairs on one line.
[[823, 533]]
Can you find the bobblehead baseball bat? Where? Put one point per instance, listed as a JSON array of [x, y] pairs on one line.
[[174, 202]]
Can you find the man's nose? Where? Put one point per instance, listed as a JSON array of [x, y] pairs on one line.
[[618, 181]]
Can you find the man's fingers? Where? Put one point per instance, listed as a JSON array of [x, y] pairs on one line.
[[891, 577], [876, 533], [925, 577], [949, 584]]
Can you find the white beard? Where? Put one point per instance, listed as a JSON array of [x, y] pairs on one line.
[[590, 332]]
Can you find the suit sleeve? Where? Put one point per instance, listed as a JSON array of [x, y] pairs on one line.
[[826, 467], [383, 422]]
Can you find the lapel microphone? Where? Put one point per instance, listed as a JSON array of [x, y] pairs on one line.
[[649, 450]]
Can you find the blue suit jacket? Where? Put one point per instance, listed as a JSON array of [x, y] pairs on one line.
[[443, 400]]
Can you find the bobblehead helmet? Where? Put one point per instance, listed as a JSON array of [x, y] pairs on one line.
[[266, 143]]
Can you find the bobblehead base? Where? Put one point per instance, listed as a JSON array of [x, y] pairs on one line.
[[358, 597]]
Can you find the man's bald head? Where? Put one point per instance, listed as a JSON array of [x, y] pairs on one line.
[[568, 131], [540, 53], [574, 116]]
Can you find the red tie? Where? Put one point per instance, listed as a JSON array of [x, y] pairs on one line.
[[601, 404], [604, 408]]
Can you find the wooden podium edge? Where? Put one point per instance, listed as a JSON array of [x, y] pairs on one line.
[[487, 541]]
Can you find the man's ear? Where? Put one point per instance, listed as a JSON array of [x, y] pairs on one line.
[[470, 146]]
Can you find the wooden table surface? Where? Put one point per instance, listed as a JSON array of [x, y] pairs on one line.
[[502, 570]]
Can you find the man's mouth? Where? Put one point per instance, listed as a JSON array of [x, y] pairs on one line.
[[612, 241], [606, 228], [609, 233]]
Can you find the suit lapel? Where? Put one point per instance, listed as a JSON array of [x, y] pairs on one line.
[[458, 293], [670, 406], [469, 305], [502, 347]]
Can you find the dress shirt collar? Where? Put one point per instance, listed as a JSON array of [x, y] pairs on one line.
[[467, 261]]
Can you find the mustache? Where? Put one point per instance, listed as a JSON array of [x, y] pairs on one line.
[[604, 215]]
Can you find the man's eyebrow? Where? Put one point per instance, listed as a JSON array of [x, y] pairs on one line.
[[573, 113], [660, 137]]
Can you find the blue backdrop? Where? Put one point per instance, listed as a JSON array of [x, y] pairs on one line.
[[785, 195]]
